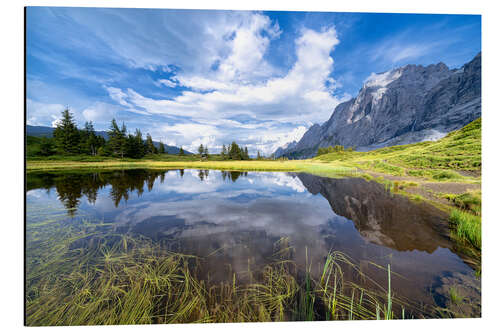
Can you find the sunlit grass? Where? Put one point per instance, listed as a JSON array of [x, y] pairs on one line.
[[439, 160], [469, 201], [467, 227], [250, 165]]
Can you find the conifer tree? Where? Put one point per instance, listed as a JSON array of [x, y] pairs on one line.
[[66, 134], [90, 141], [234, 152], [181, 152], [223, 153], [140, 146], [117, 138], [200, 150], [151, 149], [162, 148]]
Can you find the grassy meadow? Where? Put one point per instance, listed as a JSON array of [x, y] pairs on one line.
[[449, 158]]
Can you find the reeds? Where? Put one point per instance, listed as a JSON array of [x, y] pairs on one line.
[[81, 273], [134, 281]]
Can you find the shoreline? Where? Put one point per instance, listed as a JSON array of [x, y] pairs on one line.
[[419, 188]]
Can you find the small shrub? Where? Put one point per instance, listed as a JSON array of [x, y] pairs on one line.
[[416, 173], [446, 174]]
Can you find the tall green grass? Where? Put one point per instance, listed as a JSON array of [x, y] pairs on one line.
[[469, 201], [467, 227]]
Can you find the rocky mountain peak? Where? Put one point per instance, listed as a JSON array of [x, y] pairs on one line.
[[404, 105]]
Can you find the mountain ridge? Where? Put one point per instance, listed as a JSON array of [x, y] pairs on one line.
[[405, 105]]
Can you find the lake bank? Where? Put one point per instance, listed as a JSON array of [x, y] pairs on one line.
[[424, 185]]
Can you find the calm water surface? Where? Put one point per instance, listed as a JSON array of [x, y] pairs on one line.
[[240, 217]]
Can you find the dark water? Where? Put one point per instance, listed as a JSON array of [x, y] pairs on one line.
[[243, 215]]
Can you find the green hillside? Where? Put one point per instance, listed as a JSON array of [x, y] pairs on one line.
[[459, 150]]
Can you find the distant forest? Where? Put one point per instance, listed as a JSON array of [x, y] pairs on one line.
[[68, 139]]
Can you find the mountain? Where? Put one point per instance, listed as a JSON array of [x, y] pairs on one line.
[[380, 217], [282, 150], [45, 131], [401, 106]]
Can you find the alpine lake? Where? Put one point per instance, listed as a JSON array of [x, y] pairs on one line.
[[165, 246]]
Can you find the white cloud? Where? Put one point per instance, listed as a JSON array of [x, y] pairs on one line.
[[190, 135], [167, 83], [395, 52], [409, 45], [267, 142], [203, 84], [117, 95], [303, 95], [100, 112], [246, 60], [282, 179], [39, 114]]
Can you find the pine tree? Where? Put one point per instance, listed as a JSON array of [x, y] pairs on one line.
[[151, 149], [223, 153], [181, 152], [258, 155], [90, 142], [123, 139], [135, 146], [205, 151], [117, 138], [234, 152], [200, 150], [66, 134], [245, 154], [130, 147], [162, 148], [140, 146]]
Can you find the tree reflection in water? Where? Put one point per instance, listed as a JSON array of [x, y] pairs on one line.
[[72, 187]]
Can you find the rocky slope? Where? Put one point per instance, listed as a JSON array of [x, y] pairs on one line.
[[405, 105]]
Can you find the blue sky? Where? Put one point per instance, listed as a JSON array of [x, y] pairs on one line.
[[190, 77]]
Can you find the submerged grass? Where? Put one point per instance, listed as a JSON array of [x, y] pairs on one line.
[[116, 279]]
